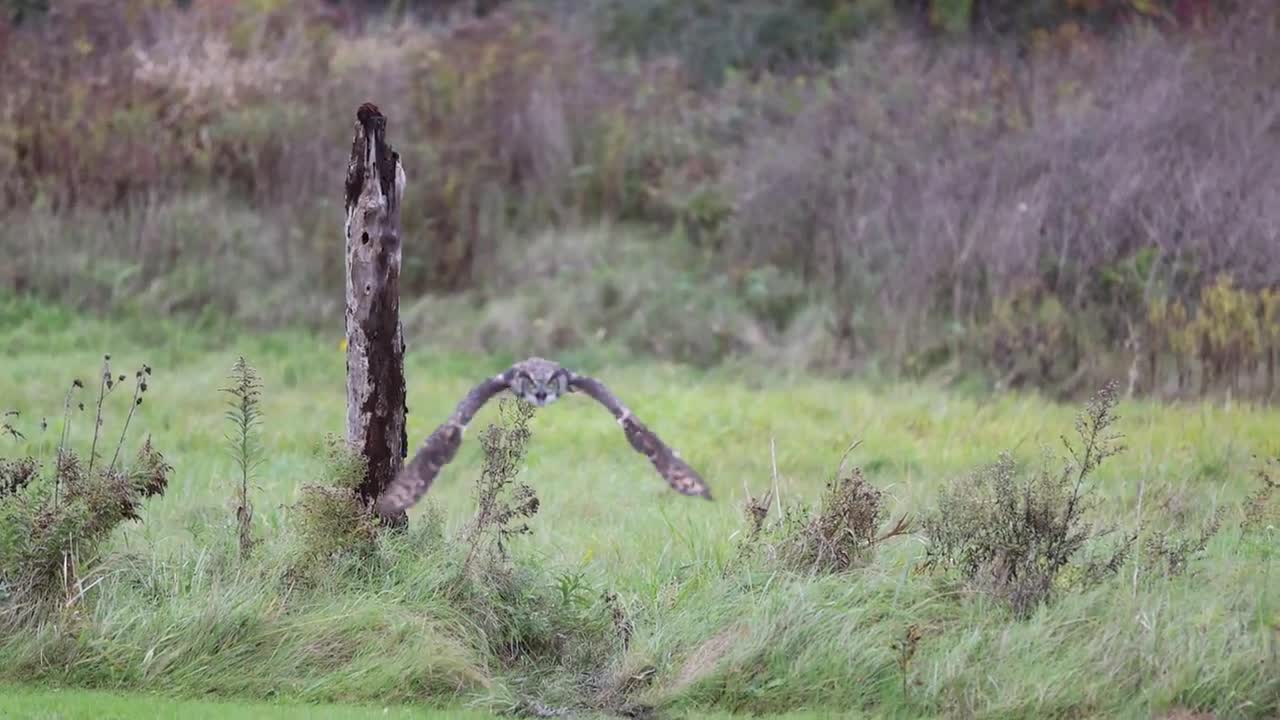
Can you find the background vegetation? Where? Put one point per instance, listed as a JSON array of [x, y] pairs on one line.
[[1038, 194]]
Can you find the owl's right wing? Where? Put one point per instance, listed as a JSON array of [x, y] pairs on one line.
[[439, 449]]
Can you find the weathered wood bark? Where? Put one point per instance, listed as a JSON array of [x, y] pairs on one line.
[[375, 342], [1271, 373]]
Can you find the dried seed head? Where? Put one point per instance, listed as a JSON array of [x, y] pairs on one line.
[[77, 383], [81, 407], [138, 401]]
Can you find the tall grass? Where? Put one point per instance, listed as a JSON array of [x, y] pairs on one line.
[[541, 628]]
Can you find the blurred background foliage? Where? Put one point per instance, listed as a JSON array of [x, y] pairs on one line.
[[1036, 194]]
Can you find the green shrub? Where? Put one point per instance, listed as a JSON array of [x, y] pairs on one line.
[[330, 528], [1012, 533]]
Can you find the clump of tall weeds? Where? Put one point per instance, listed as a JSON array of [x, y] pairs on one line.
[[55, 520], [1012, 533], [841, 533]]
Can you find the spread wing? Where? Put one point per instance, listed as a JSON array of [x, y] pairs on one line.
[[439, 449], [682, 478]]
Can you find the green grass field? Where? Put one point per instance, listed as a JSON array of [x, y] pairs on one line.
[[69, 704], [177, 615]]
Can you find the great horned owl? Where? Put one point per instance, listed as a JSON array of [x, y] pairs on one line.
[[538, 382]]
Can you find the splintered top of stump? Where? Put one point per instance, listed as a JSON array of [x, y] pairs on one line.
[[369, 112], [371, 125]]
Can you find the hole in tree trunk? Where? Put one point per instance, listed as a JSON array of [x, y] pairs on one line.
[[364, 238]]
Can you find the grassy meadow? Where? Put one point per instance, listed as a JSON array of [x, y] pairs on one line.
[[174, 610]]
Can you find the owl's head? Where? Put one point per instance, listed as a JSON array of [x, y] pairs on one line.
[[539, 382]]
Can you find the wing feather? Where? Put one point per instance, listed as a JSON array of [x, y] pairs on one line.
[[439, 450], [682, 478]]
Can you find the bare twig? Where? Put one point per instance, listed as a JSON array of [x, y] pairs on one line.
[[843, 458], [105, 385], [139, 387], [66, 433]]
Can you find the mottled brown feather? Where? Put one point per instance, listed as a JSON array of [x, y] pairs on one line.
[[438, 450], [682, 478]]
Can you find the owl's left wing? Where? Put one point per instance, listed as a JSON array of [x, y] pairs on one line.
[[682, 478]]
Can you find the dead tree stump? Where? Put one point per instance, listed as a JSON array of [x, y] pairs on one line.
[[375, 341]]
